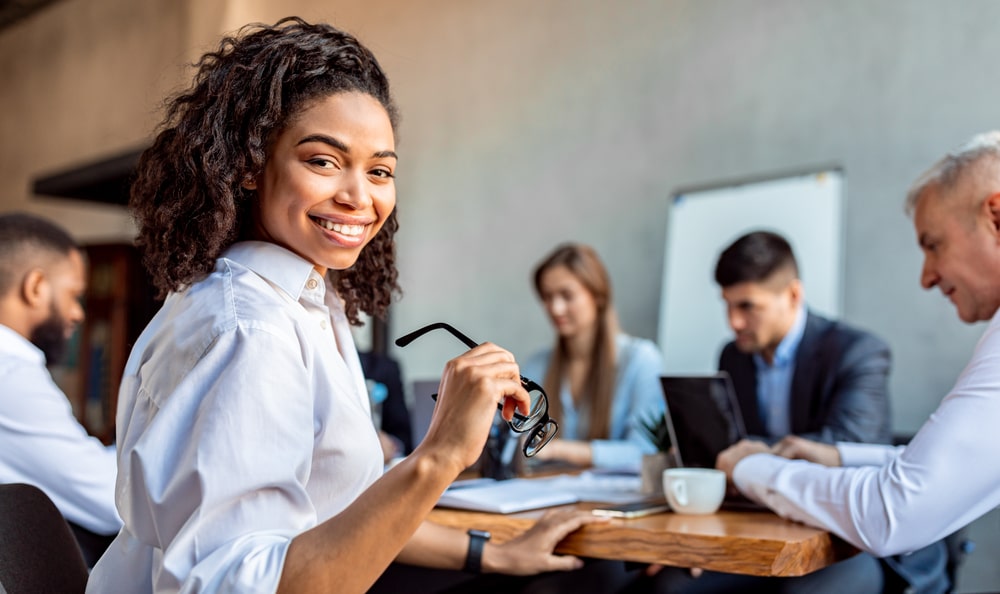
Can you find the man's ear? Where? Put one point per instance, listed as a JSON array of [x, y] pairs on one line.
[[991, 208], [795, 292], [35, 287]]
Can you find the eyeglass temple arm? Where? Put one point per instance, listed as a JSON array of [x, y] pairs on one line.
[[402, 341]]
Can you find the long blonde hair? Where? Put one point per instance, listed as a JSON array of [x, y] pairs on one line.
[[598, 391]]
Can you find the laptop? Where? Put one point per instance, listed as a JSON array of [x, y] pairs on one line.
[[703, 418]]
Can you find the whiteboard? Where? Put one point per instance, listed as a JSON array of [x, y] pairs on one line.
[[805, 208]]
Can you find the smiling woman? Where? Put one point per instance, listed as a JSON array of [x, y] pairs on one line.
[[248, 460], [327, 188]]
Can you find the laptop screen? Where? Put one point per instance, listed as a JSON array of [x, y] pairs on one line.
[[703, 417]]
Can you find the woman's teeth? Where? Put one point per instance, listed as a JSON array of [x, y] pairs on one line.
[[349, 230]]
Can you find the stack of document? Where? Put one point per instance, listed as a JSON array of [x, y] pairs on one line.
[[521, 494]]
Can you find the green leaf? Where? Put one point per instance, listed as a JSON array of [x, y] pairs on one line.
[[655, 430]]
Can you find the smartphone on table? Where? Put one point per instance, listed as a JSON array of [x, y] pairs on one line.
[[632, 510]]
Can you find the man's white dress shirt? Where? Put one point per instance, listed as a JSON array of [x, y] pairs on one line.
[[41, 442], [243, 420], [895, 500]]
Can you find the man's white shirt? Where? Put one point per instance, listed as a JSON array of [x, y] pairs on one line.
[[42, 443], [890, 500]]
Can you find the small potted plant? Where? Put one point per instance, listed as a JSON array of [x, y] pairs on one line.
[[654, 428]]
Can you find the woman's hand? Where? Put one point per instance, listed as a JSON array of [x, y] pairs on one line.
[[531, 552], [471, 387], [579, 453]]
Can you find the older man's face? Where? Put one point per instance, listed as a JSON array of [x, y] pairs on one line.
[[961, 250]]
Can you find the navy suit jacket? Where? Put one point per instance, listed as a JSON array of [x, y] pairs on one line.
[[840, 387]]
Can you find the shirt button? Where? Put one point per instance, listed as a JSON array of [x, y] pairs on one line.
[[322, 324], [311, 284]]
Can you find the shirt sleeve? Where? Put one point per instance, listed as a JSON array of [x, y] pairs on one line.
[[866, 454], [224, 467], [638, 396], [938, 483], [43, 444]]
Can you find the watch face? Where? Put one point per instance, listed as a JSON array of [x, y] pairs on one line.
[[480, 534]]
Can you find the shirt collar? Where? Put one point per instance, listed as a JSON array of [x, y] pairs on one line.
[[13, 344], [784, 355], [286, 269]]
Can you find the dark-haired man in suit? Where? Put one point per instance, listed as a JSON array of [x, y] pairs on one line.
[[794, 371], [798, 373]]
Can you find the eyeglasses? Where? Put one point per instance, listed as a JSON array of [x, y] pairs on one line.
[[537, 424]]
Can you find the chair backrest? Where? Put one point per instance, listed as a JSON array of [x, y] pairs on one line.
[[37, 550], [423, 407]]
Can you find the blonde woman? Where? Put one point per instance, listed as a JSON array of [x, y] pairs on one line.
[[601, 382]]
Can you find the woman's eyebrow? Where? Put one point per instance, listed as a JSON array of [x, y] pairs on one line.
[[340, 146], [325, 140]]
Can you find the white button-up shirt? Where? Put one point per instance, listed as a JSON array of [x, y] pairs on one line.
[[243, 421], [41, 442], [889, 500]]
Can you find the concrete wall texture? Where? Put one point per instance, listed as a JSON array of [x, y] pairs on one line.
[[529, 123]]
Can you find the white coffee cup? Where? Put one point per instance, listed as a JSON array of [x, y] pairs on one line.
[[694, 490]]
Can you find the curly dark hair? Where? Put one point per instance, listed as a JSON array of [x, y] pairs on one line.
[[188, 198]]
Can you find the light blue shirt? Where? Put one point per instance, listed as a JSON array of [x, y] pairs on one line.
[[638, 396], [774, 382]]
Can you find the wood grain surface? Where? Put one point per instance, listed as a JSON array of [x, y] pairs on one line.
[[747, 542]]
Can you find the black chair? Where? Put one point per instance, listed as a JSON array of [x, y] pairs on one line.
[[38, 552]]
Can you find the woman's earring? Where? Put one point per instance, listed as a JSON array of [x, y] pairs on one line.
[[249, 184]]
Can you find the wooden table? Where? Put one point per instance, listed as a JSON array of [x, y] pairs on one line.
[[747, 542]]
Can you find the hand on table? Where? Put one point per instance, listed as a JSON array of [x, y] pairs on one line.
[[731, 456], [803, 449], [471, 387], [531, 552]]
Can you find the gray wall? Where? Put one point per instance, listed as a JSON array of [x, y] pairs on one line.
[[529, 123], [526, 123]]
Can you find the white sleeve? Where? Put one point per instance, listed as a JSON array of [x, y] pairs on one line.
[[43, 444], [866, 454], [224, 466], [941, 481]]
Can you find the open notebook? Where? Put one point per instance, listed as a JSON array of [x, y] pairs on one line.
[[522, 494]]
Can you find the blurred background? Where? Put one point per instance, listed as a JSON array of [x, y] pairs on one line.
[[527, 123]]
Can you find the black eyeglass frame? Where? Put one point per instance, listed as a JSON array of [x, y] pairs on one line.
[[543, 428]]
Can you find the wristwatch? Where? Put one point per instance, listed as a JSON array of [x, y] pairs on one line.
[[474, 558]]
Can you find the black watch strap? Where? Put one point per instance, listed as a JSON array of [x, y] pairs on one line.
[[474, 558]]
